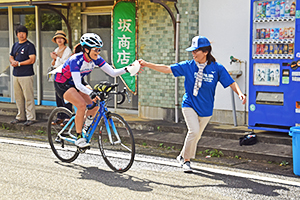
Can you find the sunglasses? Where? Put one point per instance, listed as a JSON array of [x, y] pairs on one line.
[[97, 50]]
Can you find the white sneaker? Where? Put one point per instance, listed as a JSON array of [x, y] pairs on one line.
[[187, 167], [81, 143], [180, 160]]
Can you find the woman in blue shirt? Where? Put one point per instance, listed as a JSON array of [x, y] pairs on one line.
[[201, 77]]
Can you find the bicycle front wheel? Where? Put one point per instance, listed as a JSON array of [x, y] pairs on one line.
[[63, 149], [120, 155]]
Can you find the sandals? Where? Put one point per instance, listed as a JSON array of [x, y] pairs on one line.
[[64, 122], [57, 121]]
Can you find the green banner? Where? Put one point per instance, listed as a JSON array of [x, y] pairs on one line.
[[124, 39]]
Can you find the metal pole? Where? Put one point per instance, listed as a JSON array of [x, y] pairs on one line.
[[245, 92], [176, 61], [38, 55], [233, 108], [11, 43]]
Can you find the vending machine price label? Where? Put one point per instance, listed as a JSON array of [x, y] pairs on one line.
[[295, 73]]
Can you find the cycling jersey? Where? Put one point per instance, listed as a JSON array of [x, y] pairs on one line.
[[77, 63], [77, 66]]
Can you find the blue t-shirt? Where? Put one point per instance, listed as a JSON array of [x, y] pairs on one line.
[[21, 52], [77, 63], [203, 103]]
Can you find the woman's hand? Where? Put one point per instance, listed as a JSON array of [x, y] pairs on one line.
[[53, 55], [143, 63], [157, 67], [242, 98]]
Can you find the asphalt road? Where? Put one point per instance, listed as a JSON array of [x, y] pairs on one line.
[[29, 170]]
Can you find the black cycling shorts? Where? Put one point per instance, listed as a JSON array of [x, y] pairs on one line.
[[61, 88]]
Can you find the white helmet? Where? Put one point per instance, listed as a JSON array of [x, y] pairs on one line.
[[91, 40]]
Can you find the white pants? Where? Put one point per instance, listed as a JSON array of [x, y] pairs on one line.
[[196, 126]]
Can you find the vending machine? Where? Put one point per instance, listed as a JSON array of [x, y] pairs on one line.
[[274, 70]]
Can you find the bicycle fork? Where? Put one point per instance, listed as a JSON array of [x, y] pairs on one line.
[[107, 122]]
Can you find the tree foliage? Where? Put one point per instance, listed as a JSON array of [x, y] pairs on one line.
[[50, 22]]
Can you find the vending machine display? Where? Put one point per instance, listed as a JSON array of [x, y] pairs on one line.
[[274, 100]]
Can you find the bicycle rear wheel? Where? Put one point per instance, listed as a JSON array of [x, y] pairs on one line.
[[119, 157], [63, 150]]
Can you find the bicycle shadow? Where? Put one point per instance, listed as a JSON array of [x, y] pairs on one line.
[[122, 180], [234, 182]]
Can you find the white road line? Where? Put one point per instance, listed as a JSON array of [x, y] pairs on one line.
[[173, 164]]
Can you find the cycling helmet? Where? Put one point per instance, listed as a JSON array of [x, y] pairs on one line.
[[91, 40]]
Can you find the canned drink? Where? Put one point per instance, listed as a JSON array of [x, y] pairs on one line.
[[262, 49], [291, 32], [257, 34], [277, 9], [271, 48], [276, 33], [280, 48], [293, 9], [285, 49], [263, 10], [262, 33], [272, 33], [291, 49], [259, 10], [268, 9], [272, 9], [267, 35], [285, 33], [266, 51], [281, 33], [275, 49], [282, 9], [257, 50]]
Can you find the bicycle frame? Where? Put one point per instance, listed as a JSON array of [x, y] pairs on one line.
[[100, 113]]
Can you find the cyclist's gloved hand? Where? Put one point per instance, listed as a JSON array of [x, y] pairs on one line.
[[93, 95]]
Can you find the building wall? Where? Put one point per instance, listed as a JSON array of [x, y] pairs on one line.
[[225, 24], [156, 44]]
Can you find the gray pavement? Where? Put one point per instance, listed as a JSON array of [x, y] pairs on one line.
[[272, 147]]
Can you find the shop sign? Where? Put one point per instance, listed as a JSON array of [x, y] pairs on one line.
[[124, 40]]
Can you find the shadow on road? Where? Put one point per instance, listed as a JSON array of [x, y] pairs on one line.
[[242, 183], [114, 179]]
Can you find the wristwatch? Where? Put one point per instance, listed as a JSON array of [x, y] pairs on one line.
[[19, 64]]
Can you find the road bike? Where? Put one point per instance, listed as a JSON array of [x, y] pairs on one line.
[[113, 134]]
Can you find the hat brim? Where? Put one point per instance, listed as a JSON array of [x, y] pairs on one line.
[[191, 49], [61, 36]]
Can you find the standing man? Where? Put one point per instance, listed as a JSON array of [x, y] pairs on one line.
[[22, 58]]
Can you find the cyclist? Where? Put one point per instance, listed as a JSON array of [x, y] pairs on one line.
[[71, 85]]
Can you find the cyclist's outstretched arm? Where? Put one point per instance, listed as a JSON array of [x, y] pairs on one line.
[[111, 71]]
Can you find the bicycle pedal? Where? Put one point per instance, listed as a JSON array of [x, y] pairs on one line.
[[82, 150]]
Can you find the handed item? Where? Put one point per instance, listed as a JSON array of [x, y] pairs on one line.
[[134, 68]]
